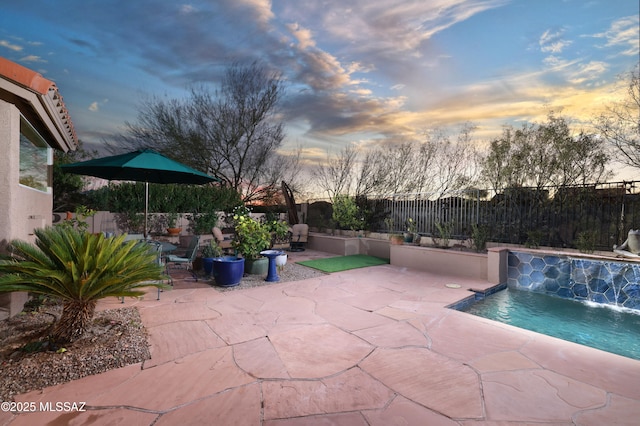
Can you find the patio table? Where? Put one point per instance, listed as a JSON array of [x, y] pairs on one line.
[[167, 247]]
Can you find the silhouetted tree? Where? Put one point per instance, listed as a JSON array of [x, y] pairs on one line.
[[336, 175], [620, 125], [436, 165], [232, 132], [67, 187], [538, 155]]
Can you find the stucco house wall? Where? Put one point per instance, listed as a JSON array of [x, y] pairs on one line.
[[23, 208], [25, 93]]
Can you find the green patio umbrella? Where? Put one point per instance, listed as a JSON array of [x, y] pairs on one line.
[[144, 165]]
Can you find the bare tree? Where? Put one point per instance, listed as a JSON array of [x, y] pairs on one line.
[[424, 165], [164, 125], [452, 164], [387, 170], [368, 181], [336, 175], [233, 132], [620, 125], [406, 165], [436, 165]]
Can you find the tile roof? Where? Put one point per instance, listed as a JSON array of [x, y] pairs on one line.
[[39, 100]]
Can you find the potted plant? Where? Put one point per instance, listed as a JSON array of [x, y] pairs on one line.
[[172, 223], [411, 231], [251, 237], [228, 270], [279, 234], [396, 239], [281, 260], [202, 223], [130, 222], [209, 252]]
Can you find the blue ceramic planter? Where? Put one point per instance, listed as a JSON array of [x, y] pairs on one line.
[[207, 265], [228, 270]]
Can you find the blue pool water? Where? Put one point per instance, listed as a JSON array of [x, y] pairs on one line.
[[604, 327]]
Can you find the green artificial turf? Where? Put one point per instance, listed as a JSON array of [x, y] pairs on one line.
[[344, 263]]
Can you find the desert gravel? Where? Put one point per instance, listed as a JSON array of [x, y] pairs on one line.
[[290, 272], [116, 338]]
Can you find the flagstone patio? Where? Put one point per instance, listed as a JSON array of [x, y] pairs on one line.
[[372, 346]]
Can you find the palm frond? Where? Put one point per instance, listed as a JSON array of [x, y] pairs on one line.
[[76, 265]]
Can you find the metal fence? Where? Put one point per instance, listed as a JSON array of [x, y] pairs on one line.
[[549, 216]]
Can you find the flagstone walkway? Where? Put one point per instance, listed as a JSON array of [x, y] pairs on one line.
[[372, 346]]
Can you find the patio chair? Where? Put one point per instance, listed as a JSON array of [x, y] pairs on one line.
[[299, 235], [223, 242], [154, 247], [187, 259], [157, 248]]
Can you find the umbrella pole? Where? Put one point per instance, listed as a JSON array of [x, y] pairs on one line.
[[146, 207]]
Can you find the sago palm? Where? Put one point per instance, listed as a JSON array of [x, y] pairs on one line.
[[79, 268]]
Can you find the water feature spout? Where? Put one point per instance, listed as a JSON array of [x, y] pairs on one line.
[[613, 282]]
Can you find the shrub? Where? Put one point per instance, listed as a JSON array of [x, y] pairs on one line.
[[479, 237], [211, 250], [203, 223], [533, 239], [586, 241], [346, 213], [251, 237], [279, 231], [443, 235], [80, 268]]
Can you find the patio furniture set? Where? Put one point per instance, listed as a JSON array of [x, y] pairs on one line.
[[168, 256]]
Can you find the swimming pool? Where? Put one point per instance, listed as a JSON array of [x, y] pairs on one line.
[[605, 327]]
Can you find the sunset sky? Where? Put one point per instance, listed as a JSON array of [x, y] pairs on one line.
[[358, 71]]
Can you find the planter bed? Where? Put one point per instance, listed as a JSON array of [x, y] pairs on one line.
[[345, 246], [489, 266], [441, 261]]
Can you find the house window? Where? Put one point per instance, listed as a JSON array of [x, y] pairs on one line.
[[35, 158]]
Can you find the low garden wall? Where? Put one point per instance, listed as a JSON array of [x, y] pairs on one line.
[[490, 266], [441, 261], [345, 246], [341, 246]]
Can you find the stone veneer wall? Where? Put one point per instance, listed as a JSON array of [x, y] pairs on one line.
[[598, 280]]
